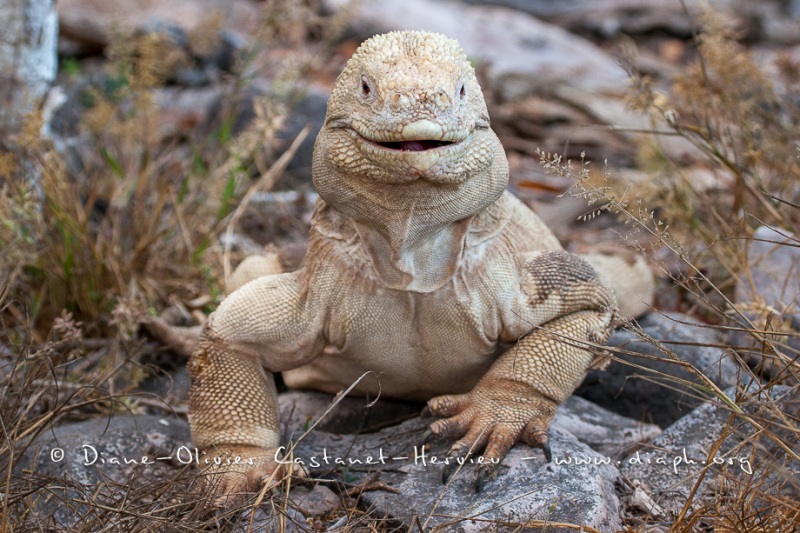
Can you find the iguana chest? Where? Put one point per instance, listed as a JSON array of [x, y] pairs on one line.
[[416, 345]]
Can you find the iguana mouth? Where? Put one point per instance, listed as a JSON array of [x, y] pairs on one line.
[[419, 136], [413, 146]]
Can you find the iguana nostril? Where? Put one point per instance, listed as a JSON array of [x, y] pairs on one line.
[[399, 101], [441, 99]]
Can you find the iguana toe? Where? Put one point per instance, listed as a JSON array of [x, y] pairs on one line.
[[448, 404], [535, 434], [491, 419], [456, 453], [242, 470], [483, 473]]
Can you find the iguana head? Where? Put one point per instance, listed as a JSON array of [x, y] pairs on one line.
[[408, 107]]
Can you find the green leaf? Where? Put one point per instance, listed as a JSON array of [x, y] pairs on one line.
[[112, 162]]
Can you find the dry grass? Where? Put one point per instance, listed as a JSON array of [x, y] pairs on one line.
[[94, 245], [87, 255], [739, 120]]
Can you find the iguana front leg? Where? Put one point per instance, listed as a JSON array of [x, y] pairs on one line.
[[266, 326], [519, 395]]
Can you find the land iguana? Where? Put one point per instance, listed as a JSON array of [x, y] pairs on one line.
[[421, 268]]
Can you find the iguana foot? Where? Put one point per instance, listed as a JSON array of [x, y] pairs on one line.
[[235, 471], [494, 416]]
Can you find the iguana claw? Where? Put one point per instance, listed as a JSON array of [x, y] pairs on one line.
[[480, 481], [548, 454], [447, 472]]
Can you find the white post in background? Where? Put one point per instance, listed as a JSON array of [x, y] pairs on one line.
[[28, 59]]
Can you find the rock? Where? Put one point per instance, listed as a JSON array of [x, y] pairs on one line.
[[283, 520], [772, 22], [184, 110], [7, 361], [768, 296], [773, 259], [171, 387], [636, 393], [543, 123], [610, 17], [794, 8], [71, 468], [522, 53], [310, 110], [527, 488], [769, 20], [522, 56], [91, 450], [317, 501], [773, 356], [91, 23], [190, 54], [28, 65], [605, 432], [669, 468]]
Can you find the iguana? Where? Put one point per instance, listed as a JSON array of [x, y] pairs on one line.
[[421, 268]]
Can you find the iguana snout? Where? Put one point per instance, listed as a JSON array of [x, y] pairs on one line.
[[423, 121]]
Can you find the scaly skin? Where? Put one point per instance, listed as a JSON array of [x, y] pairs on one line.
[[420, 268]]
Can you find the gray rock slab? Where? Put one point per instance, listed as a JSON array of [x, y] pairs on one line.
[[513, 44], [172, 388], [669, 467], [611, 16], [526, 488], [71, 467], [607, 433], [645, 393], [768, 20], [100, 448], [773, 257], [93, 22]]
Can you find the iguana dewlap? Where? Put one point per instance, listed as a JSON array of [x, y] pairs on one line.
[[420, 269]]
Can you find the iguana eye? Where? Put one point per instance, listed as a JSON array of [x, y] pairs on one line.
[[462, 92], [366, 90]]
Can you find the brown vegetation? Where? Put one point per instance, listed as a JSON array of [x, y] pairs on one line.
[[86, 256]]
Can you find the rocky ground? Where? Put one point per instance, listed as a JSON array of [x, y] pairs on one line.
[[636, 440]]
